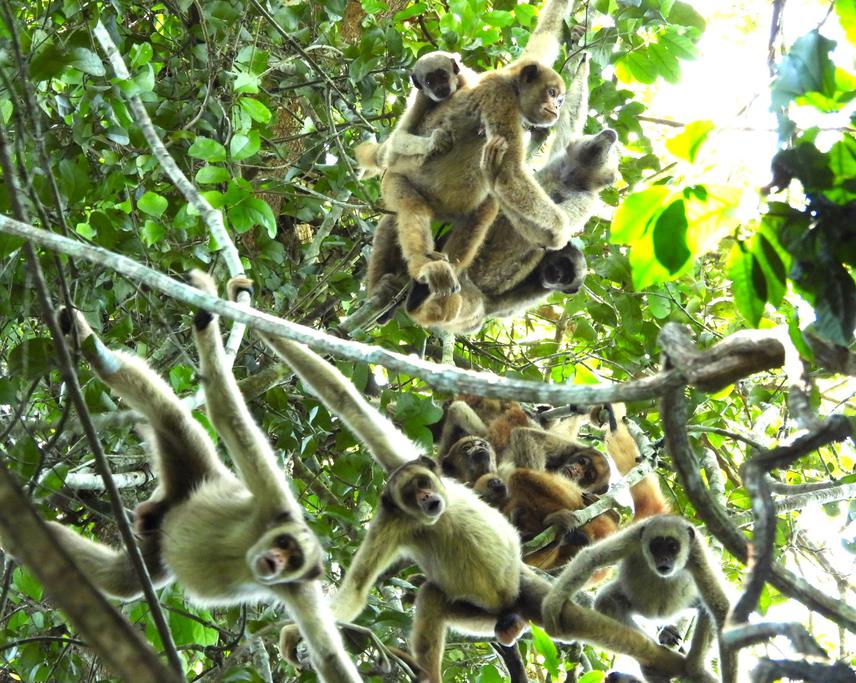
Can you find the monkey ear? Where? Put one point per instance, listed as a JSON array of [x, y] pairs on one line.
[[690, 531], [455, 67], [530, 72], [416, 82], [429, 463], [448, 467]]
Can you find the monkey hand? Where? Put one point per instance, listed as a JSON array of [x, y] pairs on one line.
[[492, 156], [290, 646], [561, 518], [440, 143], [440, 277]]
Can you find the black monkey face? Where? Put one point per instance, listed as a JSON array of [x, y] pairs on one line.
[[438, 85], [664, 552], [563, 270]]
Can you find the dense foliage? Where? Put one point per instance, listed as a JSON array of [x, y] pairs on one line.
[[260, 104]]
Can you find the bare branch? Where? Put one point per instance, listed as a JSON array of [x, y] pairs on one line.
[[829, 493], [752, 634]]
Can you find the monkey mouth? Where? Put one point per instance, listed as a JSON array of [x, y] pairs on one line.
[[664, 569]]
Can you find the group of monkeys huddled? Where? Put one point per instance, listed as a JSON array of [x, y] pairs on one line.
[[502, 474]]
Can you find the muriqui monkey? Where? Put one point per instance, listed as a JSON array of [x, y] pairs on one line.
[[476, 582], [512, 271], [226, 540], [664, 568], [453, 188]]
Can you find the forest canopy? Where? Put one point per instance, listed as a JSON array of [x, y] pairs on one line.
[[140, 141]]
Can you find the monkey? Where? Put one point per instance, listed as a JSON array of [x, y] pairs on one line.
[[664, 568], [517, 440], [468, 551], [227, 540], [512, 271], [436, 76], [648, 498], [534, 500], [452, 187]]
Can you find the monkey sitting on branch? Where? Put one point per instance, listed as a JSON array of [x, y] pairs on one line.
[[226, 540], [664, 568], [469, 553]]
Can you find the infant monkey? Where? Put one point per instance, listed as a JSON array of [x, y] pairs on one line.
[[436, 76]]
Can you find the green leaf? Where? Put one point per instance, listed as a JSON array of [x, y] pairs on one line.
[[152, 204], [47, 62], [545, 647], [210, 175], [631, 221], [741, 271], [665, 62], [498, 18], [773, 269], [413, 11], [85, 60], [32, 358], [846, 10], [670, 237], [244, 146], [489, 674], [251, 212], [255, 109], [152, 233], [804, 69], [685, 145], [207, 150], [374, 6], [835, 308], [141, 54], [636, 66], [85, 230], [593, 677]]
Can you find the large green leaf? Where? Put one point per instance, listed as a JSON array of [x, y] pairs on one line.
[[805, 68], [670, 237]]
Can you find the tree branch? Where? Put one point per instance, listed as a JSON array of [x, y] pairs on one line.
[[730, 359]]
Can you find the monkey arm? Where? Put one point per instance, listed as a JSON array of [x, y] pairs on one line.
[[464, 241], [379, 549], [246, 443], [712, 616], [314, 619], [572, 118], [577, 573], [387, 444], [543, 45], [460, 420], [529, 447]]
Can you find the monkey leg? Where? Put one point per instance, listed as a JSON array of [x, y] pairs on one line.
[[385, 260], [509, 627], [428, 637], [428, 309], [581, 623], [529, 447], [110, 569], [182, 452], [414, 214], [467, 237]]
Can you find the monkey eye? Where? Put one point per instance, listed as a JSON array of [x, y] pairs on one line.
[[423, 483], [284, 542], [552, 92], [584, 460]]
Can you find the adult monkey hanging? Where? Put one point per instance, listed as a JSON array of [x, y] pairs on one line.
[[226, 540], [435, 607], [452, 187]]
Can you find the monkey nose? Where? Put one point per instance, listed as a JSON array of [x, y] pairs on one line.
[[481, 455], [435, 507]]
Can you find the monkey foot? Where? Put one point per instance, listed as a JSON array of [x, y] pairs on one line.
[[440, 277], [509, 627]]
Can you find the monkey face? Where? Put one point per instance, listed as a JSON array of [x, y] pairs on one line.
[[436, 75], [665, 544], [588, 468], [542, 92], [286, 553], [414, 489], [563, 270], [469, 458], [591, 162]]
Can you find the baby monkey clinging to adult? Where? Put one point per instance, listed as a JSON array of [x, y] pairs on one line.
[[436, 76]]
